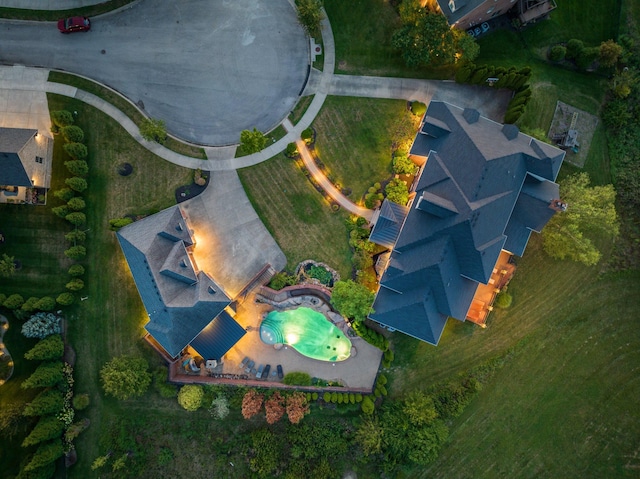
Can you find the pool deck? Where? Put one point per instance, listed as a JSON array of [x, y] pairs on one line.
[[356, 373]]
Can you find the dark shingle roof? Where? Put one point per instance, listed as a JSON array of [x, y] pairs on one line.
[[179, 300], [482, 189], [12, 170], [218, 337], [386, 230]]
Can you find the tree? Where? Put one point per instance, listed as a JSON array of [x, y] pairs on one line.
[[45, 454], [466, 46], [252, 141], [77, 167], [369, 436], [61, 118], [153, 130], [48, 427], [76, 218], [190, 397], [297, 407], [420, 408], [49, 401], [367, 405], [402, 164], [46, 303], [51, 347], [76, 183], [274, 408], [220, 407], [352, 300], [574, 48], [14, 301], [76, 252], [60, 211], [7, 266], [41, 325], [72, 133], [590, 209], [30, 304], [46, 375], [310, 15], [76, 270], [397, 191], [76, 284], [77, 151], [609, 53], [65, 299], [64, 194], [125, 376], [251, 403], [557, 53]]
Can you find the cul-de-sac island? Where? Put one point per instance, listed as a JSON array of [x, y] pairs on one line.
[[319, 239]]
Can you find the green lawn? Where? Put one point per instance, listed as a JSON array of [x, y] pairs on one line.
[[297, 215], [354, 140]]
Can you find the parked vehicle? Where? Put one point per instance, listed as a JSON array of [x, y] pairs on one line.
[[74, 24]]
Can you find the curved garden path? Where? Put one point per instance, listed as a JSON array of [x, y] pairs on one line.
[[4, 325]]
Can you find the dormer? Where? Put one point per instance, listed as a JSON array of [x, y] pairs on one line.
[[436, 205]]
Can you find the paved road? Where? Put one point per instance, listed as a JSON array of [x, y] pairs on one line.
[[209, 69]]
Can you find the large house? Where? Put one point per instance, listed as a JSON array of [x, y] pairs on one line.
[[481, 190], [464, 14], [25, 165], [185, 305]]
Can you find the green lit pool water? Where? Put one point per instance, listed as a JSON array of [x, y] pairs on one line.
[[308, 332]]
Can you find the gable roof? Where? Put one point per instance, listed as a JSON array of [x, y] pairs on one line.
[[13, 171], [483, 188], [180, 300], [387, 227]]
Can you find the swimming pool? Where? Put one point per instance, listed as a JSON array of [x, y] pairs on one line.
[[308, 332]]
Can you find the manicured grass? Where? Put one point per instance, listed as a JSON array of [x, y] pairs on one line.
[[51, 15], [109, 323], [300, 109], [297, 216], [354, 140], [124, 106], [362, 31]]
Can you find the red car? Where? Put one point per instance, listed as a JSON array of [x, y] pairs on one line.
[[74, 24]]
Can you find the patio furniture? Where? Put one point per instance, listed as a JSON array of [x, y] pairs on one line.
[[250, 365], [259, 373], [244, 362]]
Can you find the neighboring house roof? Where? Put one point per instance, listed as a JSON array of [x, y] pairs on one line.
[[15, 169], [180, 300], [484, 188], [460, 8]]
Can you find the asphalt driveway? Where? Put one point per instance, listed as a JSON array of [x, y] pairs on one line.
[[209, 69]]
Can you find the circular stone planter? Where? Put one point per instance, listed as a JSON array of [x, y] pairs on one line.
[[125, 169]]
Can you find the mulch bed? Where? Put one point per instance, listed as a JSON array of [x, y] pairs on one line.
[[184, 193]]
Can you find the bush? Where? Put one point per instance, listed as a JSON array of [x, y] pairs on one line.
[[321, 274], [77, 167], [76, 236], [72, 133], [574, 48], [64, 194], [76, 252], [49, 401], [296, 378], [334, 397], [557, 53], [367, 405], [41, 325], [124, 377], [76, 284], [160, 383], [220, 408], [61, 118], [15, 301], [339, 398], [153, 130], [30, 304], [51, 347], [117, 223], [65, 299], [60, 211], [418, 108], [587, 57], [76, 270], [513, 115], [352, 398], [382, 380], [358, 397], [310, 15], [326, 397], [503, 300], [46, 375], [76, 183], [77, 151], [80, 402], [46, 303], [402, 164], [190, 397], [314, 396], [281, 280], [307, 135], [291, 151], [76, 218]]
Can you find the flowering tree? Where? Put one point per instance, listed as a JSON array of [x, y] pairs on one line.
[[251, 403], [297, 407]]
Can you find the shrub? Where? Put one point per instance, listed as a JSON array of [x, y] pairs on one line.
[[251, 403], [76, 270], [41, 325], [334, 397], [297, 407], [296, 378], [72, 133], [30, 304], [352, 398], [77, 167], [76, 252], [46, 375], [61, 118], [252, 141], [587, 57], [49, 401], [382, 379], [153, 130], [64, 194], [274, 408], [464, 72], [48, 427], [61, 211], [339, 398], [513, 115], [503, 300], [190, 397], [281, 280], [291, 151], [164, 388], [314, 396], [76, 218], [77, 151], [65, 299], [557, 53], [220, 407], [310, 15], [345, 398], [358, 397], [76, 183], [76, 236], [321, 274], [326, 397], [46, 454], [402, 164], [397, 191], [117, 223], [124, 377], [367, 405], [51, 347], [307, 135], [418, 108], [574, 48], [15, 301], [76, 284], [46, 303], [81, 401]]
